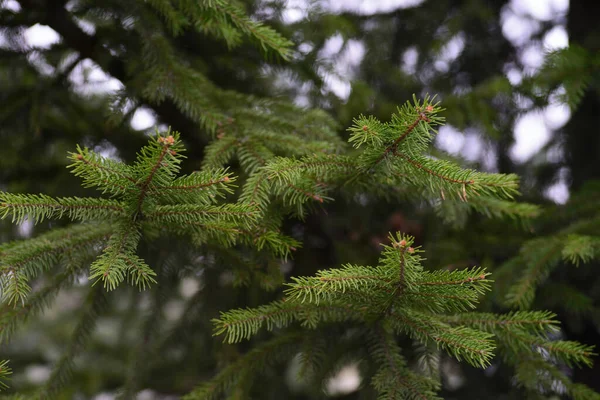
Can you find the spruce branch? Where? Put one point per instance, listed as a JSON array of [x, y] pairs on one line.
[[540, 257], [219, 152], [475, 347], [394, 380], [5, 372], [455, 291], [202, 187], [40, 207], [375, 295], [119, 261], [580, 248], [24, 260], [538, 376], [520, 331], [12, 317], [157, 163], [108, 175], [534, 322], [226, 12], [242, 324], [242, 214], [334, 282]]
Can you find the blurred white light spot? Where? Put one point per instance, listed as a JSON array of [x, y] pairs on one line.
[[189, 287], [532, 57], [88, 77], [347, 380], [25, 228], [37, 374], [105, 396], [341, 58], [543, 10], [173, 310], [451, 50], [514, 76], [517, 29], [147, 394], [338, 86], [11, 5], [41, 36], [559, 191], [86, 26], [473, 148], [143, 119], [556, 115], [531, 134], [450, 139], [556, 38], [305, 48], [295, 10], [332, 46], [368, 7], [409, 60]]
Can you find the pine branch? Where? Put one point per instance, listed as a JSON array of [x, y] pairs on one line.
[[534, 322], [24, 260], [580, 248], [108, 175], [13, 317], [157, 163], [458, 290], [540, 377], [241, 324], [5, 373], [40, 207], [119, 261], [267, 37], [329, 283], [219, 152], [520, 331], [203, 187], [540, 257], [475, 347], [394, 380], [456, 212], [242, 214], [569, 352]]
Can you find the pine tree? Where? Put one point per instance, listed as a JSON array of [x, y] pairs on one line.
[[148, 200], [155, 228]]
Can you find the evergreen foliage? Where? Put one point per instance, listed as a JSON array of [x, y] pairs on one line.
[[260, 172], [398, 297], [573, 244], [5, 371]]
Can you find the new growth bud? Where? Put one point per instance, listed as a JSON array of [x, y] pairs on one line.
[[169, 140], [401, 243]]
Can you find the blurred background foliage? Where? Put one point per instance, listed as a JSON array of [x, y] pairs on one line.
[[68, 76]]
